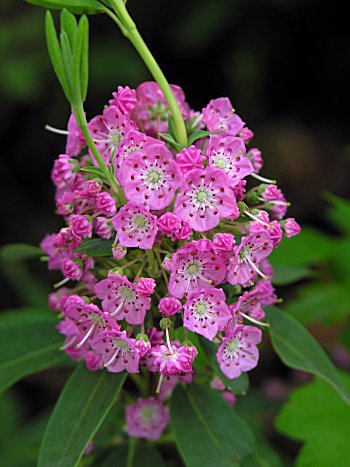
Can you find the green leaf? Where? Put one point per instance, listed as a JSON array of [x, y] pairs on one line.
[[340, 213], [299, 350], [96, 247], [167, 137], [198, 135], [27, 346], [316, 415], [84, 59], [89, 7], [56, 55], [238, 385], [207, 430], [305, 249], [171, 127], [320, 302], [145, 456], [68, 24], [81, 408], [14, 252], [284, 274], [96, 171]]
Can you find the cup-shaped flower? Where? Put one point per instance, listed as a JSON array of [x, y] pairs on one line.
[[172, 362], [169, 306], [146, 418], [205, 196], [219, 115], [238, 352], [206, 312], [135, 226], [117, 351], [150, 176]]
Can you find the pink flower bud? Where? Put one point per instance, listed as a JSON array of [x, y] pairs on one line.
[[290, 227], [246, 134], [230, 398], [146, 285], [103, 227], [81, 225], [169, 306], [119, 252], [217, 384], [93, 362], [142, 345], [166, 264], [62, 172], [169, 222], [92, 187], [190, 158], [66, 238], [105, 204], [125, 99], [256, 159], [223, 242], [71, 269]]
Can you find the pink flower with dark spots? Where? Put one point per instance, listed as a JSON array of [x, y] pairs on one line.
[[227, 153], [105, 204], [265, 293], [169, 306], [206, 312], [75, 138], [219, 115], [192, 269], [117, 351], [290, 227], [274, 201], [121, 299], [189, 159], [103, 227], [238, 352], [134, 141], [146, 418], [81, 225], [244, 264], [152, 108], [172, 362], [262, 223], [205, 196], [150, 176], [254, 155], [135, 226], [108, 130], [124, 99], [248, 306], [62, 173]]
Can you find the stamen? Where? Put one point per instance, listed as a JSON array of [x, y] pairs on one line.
[[118, 308], [112, 359], [159, 384], [256, 269], [263, 179], [254, 320], [87, 335], [168, 340], [56, 130], [247, 213], [62, 282], [68, 344]]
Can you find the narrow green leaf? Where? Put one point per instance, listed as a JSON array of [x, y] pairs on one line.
[[171, 127], [96, 171], [89, 7], [14, 252], [284, 274], [167, 137], [317, 416], [198, 135], [27, 346], [68, 24], [207, 430], [56, 55], [144, 456], [84, 59], [81, 408], [299, 350], [67, 57], [76, 61], [238, 385], [96, 247], [340, 212]]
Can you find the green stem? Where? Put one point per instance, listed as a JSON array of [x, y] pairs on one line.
[[131, 452], [129, 29], [79, 114]]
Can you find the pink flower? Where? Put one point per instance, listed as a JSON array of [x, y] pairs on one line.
[[67, 239], [108, 130], [92, 187], [135, 226], [168, 306], [256, 159], [246, 134], [217, 384], [206, 312], [175, 228], [75, 138], [189, 159], [117, 351], [265, 293], [72, 269], [146, 285], [227, 152], [262, 223], [178, 360], [205, 196], [275, 201], [229, 397], [93, 361], [290, 227], [223, 243], [62, 173], [248, 305], [219, 115], [238, 352], [125, 100], [142, 345], [121, 299], [192, 269], [58, 299], [105, 204], [243, 267], [150, 176], [146, 418], [81, 225], [134, 141], [103, 227]]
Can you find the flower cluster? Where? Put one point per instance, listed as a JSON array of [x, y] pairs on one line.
[[184, 250]]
